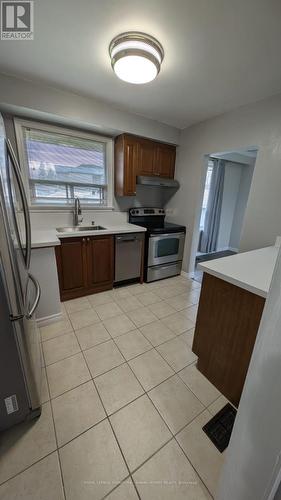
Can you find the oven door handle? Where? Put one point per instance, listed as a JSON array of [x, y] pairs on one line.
[[167, 235]]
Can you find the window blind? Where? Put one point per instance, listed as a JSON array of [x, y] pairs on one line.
[[62, 167]]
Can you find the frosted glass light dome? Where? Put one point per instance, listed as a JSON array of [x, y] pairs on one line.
[[136, 57]]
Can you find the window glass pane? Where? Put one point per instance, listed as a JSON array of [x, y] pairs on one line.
[[62, 167], [90, 195], [169, 246], [206, 193], [49, 193]]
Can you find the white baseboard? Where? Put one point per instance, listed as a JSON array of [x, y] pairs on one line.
[[47, 320], [187, 275]]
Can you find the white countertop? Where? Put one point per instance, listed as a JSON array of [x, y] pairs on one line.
[[44, 238], [50, 237], [249, 270]]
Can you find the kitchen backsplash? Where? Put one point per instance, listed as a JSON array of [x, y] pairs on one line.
[[146, 196], [49, 220]]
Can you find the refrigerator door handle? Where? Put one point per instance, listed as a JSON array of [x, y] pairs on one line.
[[37, 297], [16, 317], [17, 172]]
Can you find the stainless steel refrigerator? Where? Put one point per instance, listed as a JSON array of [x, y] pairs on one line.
[[20, 346]]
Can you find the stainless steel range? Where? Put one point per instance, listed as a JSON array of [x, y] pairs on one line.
[[164, 243]]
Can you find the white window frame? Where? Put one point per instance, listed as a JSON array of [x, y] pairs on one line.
[[201, 227], [46, 127]]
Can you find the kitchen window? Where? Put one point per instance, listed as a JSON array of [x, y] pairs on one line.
[[63, 164]]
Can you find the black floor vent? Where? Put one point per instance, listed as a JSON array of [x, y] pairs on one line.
[[219, 428]]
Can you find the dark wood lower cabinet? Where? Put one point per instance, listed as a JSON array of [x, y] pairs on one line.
[[85, 265], [100, 261], [226, 328]]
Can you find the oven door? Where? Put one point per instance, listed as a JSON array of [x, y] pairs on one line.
[[165, 248]]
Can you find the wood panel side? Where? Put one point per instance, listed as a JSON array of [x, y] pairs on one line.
[[119, 165], [226, 327]]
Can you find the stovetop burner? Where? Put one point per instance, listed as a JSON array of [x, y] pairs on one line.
[[153, 219], [167, 227]]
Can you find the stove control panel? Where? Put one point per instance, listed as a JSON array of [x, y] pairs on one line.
[[147, 211]]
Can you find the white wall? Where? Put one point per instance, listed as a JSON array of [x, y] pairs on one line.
[[258, 125], [43, 266], [42, 102], [230, 195], [31, 100]]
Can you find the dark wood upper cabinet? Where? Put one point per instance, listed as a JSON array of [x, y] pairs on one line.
[[126, 163], [164, 160], [139, 156], [85, 265], [146, 154]]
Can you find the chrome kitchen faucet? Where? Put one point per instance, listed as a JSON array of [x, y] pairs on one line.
[[77, 213]]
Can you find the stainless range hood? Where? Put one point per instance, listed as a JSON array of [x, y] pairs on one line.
[[145, 180]]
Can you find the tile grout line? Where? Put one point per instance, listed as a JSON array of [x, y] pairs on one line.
[[55, 431], [145, 392], [116, 487], [173, 435], [125, 361], [31, 465], [107, 416], [125, 312], [56, 450], [206, 407], [196, 471], [112, 429], [113, 339], [66, 357]]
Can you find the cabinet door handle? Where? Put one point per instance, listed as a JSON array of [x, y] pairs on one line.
[[83, 239], [88, 239]]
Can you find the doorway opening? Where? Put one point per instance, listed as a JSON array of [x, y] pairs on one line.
[[226, 191]]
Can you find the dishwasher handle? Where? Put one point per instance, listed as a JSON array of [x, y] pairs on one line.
[[126, 240]]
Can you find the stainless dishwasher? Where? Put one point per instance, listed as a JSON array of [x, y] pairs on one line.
[[128, 256]]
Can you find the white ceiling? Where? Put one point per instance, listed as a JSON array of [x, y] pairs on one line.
[[219, 54]]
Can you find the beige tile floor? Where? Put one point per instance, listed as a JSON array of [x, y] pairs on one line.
[[124, 404]]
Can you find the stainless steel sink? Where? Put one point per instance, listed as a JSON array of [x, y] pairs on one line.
[[77, 229]]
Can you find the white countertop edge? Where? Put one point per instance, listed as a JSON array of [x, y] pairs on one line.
[[111, 230], [233, 281], [45, 244], [250, 270], [51, 238]]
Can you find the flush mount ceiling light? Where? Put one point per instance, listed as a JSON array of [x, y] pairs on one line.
[[136, 57]]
